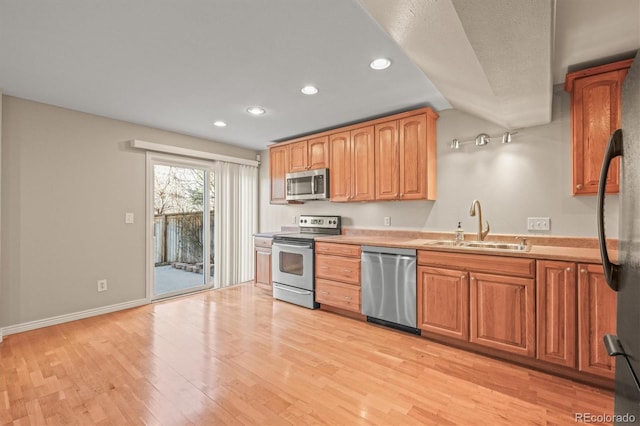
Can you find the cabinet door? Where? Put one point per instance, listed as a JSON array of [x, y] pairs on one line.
[[387, 152], [318, 152], [443, 302], [556, 312], [298, 153], [340, 166], [363, 165], [278, 168], [502, 313], [413, 158], [597, 308], [263, 268], [595, 114]]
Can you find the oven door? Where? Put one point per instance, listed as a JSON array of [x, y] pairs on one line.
[[292, 263]]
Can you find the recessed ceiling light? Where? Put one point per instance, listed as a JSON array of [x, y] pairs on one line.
[[309, 90], [256, 110], [220, 124], [380, 64]]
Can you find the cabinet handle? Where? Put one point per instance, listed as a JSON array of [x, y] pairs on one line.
[[462, 277], [584, 271], [472, 278], [347, 298], [347, 271], [324, 267], [324, 292], [579, 186], [568, 269]]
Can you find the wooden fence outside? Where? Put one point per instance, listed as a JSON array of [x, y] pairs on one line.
[[178, 238]]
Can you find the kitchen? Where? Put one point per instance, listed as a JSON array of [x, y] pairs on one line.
[[531, 177]]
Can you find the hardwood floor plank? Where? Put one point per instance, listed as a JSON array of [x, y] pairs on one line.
[[237, 356]]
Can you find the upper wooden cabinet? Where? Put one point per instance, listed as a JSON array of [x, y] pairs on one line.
[[595, 114], [389, 158], [309, 154], [352, 166], [278, 168], [405, 152]]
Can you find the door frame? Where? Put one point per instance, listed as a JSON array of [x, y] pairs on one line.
[[153, 159]]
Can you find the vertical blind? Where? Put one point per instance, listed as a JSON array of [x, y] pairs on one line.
[[236, 220]]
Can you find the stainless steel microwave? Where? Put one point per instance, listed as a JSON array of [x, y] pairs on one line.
[[308, 185]]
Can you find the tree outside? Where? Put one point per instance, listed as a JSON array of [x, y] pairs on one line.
[[178, 208]]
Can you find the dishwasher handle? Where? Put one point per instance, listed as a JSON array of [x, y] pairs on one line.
[[393, 251]]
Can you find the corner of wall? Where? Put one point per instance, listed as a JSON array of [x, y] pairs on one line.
[[0, 208]]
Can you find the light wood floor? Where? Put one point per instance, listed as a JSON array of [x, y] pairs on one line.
[[236, 356]]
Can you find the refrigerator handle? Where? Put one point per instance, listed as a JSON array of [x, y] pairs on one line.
[[614, 149]]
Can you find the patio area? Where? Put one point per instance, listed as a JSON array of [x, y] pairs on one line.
[[169, 279]]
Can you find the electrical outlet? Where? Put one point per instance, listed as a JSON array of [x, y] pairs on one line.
[[387, 221], [538, 223], [102, 285]]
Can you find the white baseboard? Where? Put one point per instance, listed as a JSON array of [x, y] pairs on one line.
[[32, 325]]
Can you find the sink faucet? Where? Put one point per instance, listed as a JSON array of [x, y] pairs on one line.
[[481, 233]]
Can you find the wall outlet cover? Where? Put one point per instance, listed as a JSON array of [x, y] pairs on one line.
[[538, 223]]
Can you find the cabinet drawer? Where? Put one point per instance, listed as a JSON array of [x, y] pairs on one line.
[[262, 241], [338, 249], [337, 294], [346, 269], [501, 265]]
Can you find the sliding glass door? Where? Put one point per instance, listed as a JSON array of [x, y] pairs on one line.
[[182, 231]]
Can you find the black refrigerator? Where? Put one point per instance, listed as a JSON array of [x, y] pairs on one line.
[[624, 275]]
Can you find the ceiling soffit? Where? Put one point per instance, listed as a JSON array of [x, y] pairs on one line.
[[490, 58]]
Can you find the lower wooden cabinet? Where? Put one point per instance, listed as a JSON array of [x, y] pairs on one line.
[[443, 301], [597, 309], [338, 275], [573, 319], [503, 313], [262, 263], [341, 295], [556, 312]]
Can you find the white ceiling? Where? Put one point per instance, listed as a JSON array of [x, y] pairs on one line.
[[182, 65]]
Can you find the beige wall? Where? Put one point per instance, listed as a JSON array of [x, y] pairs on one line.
[[529, 177], [67, 180], [1, 303]]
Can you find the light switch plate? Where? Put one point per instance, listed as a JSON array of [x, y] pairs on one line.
[[128, 218]]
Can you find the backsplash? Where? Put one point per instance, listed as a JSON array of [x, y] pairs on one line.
[[530, 177]]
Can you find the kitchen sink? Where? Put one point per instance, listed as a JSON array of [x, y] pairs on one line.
[[483, 245]]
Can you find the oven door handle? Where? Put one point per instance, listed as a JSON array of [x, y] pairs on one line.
[[293, 246], [305, 292]]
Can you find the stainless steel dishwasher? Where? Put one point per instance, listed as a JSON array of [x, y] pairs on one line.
[[389, 287]]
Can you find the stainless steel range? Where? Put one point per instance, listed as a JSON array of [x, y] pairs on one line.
[[293, 259]]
